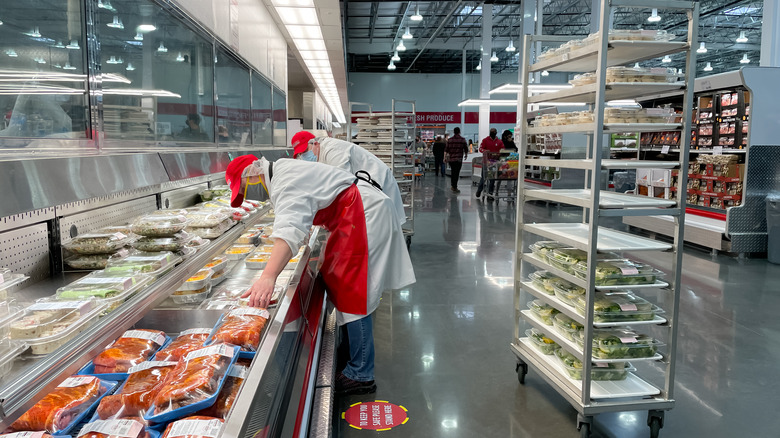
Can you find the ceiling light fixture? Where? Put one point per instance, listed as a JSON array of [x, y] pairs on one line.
[[162, 48], [702, 48], [545, 73], [745, 59], [68, 67], [417, 17], [395, 56], [479, 66], [73, 45], [407, 35], [59, 45], [742, 38], [11, 53], [636, 65], [130, 66], [116, 23], [494, 58], [179, 58], [35, 33], [666, 59], [654, 17], [391, 66], [138, 36], [708, 67], [57, 65], [112, 60], [1, 22], [146, 28], [401, 47], [510, 47]]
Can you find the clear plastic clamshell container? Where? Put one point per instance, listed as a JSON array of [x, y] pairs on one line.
[[568, 327], [211, 232], [565, 258], [154, 244], [191, 296], [97, 243], [205, 218], [124, 229], [92, 262], [108, 288], [198, 281], [598, 371], [618, 306], [568, 292], [619, 272], [159, 224], [9, 351], [217, 264], [622, 344], [214, 192], [544, 281], [249, 238], [46, 326], [583, 79], [152, 263], [542, 343], [238, 252], [543, 311], [7, 280], [544, 248]]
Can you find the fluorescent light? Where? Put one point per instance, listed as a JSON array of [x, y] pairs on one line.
[[532, 88], [40, 60], [407, 35], [146, 28], [68, 66], [742, 38], [623, 102], [479, 66], [290, 15], [636, 65], [310, 45], [11, 53], [300, 3], [395, 56], [401, 47], [745, 59], [35, 33], [336, 125], [666, 59], [59, 45], [545, 73], [311, 54], [116, 23], [702, 48], [511, 47], [130, 66], [305, 32], [162, 48], [139, 92], [138, 36], [654, 17], [391, 66], [73, 45], [113, 60], [179, 58], [1, 22], [513, 102], [417, 16], [708, 67], [494, 58]]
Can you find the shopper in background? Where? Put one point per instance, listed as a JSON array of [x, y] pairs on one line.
[[438, 155], [350, 158], [509, 146], [491, 143], [192, 132], [366, 253], [455, 152], [471, 146]]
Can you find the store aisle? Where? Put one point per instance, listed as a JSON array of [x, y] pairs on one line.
[[443, 345]]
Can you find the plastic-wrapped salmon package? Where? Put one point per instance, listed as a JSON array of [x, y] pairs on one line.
[[197, 426], [242, 327], [118, 428], [194, 383], [188, 340], [60, 409], [132, 348], [227, 396], [135, 397]]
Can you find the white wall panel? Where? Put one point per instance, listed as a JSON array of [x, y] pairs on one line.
[[213, 14]]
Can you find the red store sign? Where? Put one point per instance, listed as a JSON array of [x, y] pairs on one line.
[[472, 117]]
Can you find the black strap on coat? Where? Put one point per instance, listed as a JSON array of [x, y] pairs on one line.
[[367, 178]]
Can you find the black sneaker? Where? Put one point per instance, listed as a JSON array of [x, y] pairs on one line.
[[347, 386], [479, 194]]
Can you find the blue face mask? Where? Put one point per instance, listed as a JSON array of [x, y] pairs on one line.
[[308, 156]]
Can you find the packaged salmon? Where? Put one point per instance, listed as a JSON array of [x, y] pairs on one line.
[[242, 327], [132, 348], [188, 340], [194, 427], [135, 396], [221, 408], [118, 428], [194, 383]]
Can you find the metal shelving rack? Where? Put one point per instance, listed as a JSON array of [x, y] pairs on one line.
[[587, 396]]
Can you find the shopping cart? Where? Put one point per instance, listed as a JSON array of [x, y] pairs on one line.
[[501, 171]]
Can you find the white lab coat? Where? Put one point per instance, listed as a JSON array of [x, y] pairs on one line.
[[351, 158], [299, 189]]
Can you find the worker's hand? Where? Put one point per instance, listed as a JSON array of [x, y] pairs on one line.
[[260, 293]]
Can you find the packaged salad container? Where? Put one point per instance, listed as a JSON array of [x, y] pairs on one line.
[[97, 243], [91, 262], [543, 311], [109, 288], [623, 344], [154, 244], [205, 218], [197, 242], [544, 280], [152, 263], [619, 272], [565, 258], [542, 343], [159, 224], [618, 306], [211, 232], [568, 327], [598, 371], [45, 337], [544, 248], [568, 292]]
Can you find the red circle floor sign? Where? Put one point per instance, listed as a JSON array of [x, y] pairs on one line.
[[376, 415]]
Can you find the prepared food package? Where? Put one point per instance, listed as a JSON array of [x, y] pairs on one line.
[[214, 192], [542, 343], [115, 428], [94, 262], [124, 229], [568, 327], [622, 344], [565, 258], [191, 296], [132, 348], [197, 242], [235, 213], [198, 281], [218, 277], [104, 285], [206, 218], [238, 252], [249, 238], [242, 327], [543, 311], [52, 335], [153, 263], [135, 396], [568, 292], [159, 224], [618, 306], [598, 371], [544, 281], [39, 434], [265, 237], [227, 396], [253, 203], [196, 380], [211, 232], [60, 410], [543, 249], [619, 272], [40, 318], [97, 243], [230, 292], [9, 352], [219, 304], [257, 260], [196, 426], [217, 264], [155, 244], [188, 340]]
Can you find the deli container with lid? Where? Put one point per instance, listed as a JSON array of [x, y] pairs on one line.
[[198, 281], [218, 277], [566, 326], [93, 262], [620, 272], [191, 296], [9, 351], [159, 224], [9, 279], [544, 248], [544, 281], [543, 311], [567, 291], [238, 252], [618, 306], [97, 243], [258, 260], [622, 344], [46, 326], [152, 263], [249, 238], [217, 264], [211, 232], [564, 258], [154, 244], [109, 288], [197, 242], [205, 218], [598, 371], [542, 343]]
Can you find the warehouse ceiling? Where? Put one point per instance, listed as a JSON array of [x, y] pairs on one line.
[[374, 29]]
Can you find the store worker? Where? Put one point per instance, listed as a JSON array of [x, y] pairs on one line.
[[350, 158], [491, 143], [365, 254]]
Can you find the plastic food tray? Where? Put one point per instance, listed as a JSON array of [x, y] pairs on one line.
[[89, 369], [249, 238], [619, 306], [195, 407], [217, 264], [567, 326], [42, 345], [241, 354], [109, 387], [567, 292], [257, 261], [93, 262], [106, 288], [543, 280], [565, 258], [218, 278], [97, 243], [8, 280], [598, 371], [219, 304], [197, 242], [238, 252], [160, 224], [213, 232], [157, 244], [542, 343], [191, 296], [154, 264], [205, 218], [200, 280], [9, 351], [622, 344], [543, 311], [620, 272]]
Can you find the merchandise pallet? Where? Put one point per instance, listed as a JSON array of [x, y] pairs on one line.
[[632, 391]]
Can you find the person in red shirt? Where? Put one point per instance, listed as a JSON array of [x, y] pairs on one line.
[[490, 143]]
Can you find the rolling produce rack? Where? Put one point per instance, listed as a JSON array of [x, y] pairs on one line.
[[591, 396]]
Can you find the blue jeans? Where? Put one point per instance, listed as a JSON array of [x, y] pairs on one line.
[[482, 182], [361, 350], [443, 168]]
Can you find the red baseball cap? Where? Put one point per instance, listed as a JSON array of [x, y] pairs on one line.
[[233, 177], [300, 142]]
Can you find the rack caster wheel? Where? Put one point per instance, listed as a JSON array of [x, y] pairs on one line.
[[408, 242], [655, 419], [522, 369], [584, 430]]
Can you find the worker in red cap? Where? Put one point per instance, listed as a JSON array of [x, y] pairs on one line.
[[350, 158], [365, 255]]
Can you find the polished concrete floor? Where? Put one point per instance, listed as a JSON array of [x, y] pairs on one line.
[[442, 347]]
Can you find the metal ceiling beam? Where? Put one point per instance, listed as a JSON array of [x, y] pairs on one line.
[[372, 20], [436, 32], [476, 5]]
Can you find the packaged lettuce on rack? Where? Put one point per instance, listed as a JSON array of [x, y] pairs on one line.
[[622, 344], [152, 263], [567, 291], [159, 224], [542, 343], [620, 272], [155, 244], [97, 243], [187, 341], [543, 311], [565, 258], [196, 426], [132, 348], [544, 248], [94, 262], [135, 396], [598, 371], [242, 327], [566, 326], [544, 281], [117, 428], [618, 306]]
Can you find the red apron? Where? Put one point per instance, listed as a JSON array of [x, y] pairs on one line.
[[345, 267]]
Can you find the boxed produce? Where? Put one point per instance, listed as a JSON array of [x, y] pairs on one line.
[[152, 263], [117, 428], [194, 427], [543, 311], [194, 384], [620, 272], [65, 407], [159, 224], [568, 327], [229, 392], [242, 327], [542, 343], [622, 344], [132, 348], [108, 288], [598, 371], [97, 243], [135, 396], [187, 341], [618, 306], [155, 244]]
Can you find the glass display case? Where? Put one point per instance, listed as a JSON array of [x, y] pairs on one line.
[[280, 118], [233, 100], [262, 123]]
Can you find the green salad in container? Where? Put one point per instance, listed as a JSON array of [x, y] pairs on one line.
[[568, 292], [542, 342], [544, 281], [618, 306], [622, 344], [601, 371], [543, 249], [543, 311], [568, 327], [619, 272]]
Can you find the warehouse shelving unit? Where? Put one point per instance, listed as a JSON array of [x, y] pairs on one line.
[[587, 396]]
